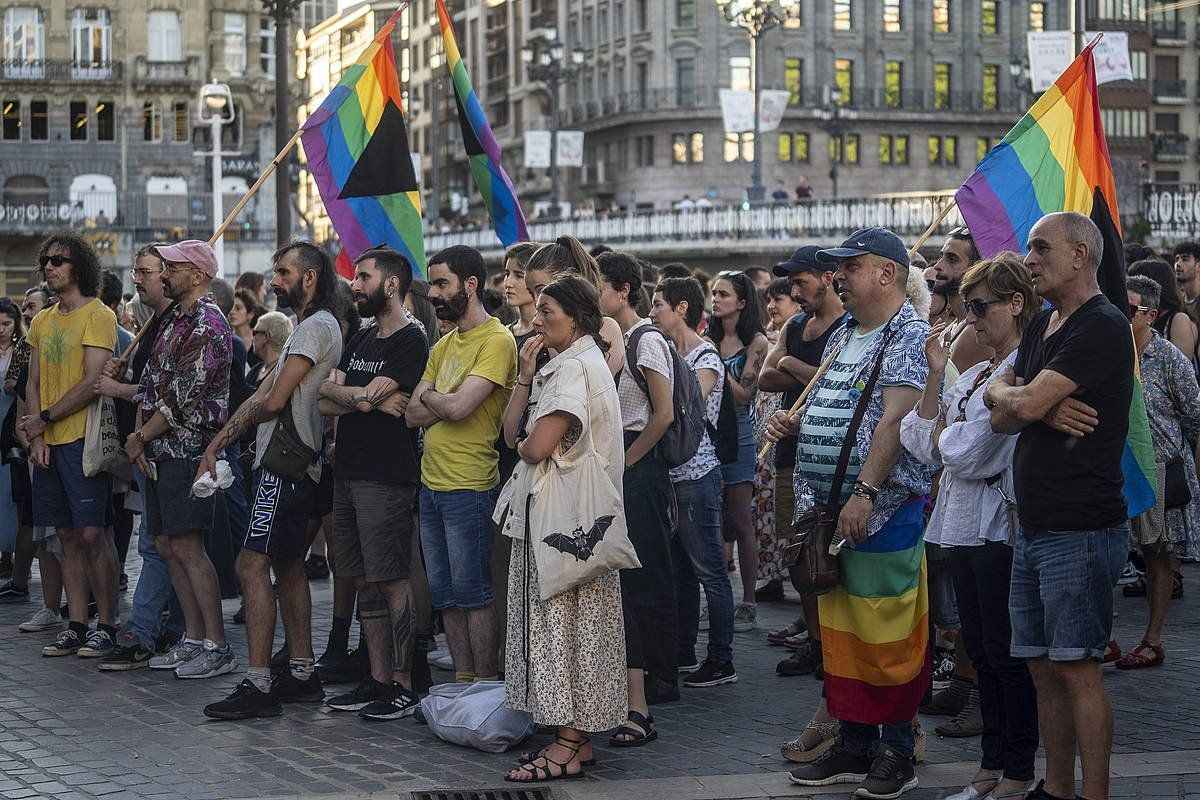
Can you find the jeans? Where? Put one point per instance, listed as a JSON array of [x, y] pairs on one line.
[[861, 739], [943, 610], [698, 556], [456, 540], [153, 592], [1007, 699]]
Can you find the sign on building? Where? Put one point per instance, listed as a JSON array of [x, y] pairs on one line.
[[570, 148], [737, 110], [1050, 52], [772, 103], [537, 149]]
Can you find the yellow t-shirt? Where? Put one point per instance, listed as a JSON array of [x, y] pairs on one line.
[[58, 337], [462, 455]]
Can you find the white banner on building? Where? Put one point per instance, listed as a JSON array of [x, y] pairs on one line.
[[416, 162], [537, 149], [737, 110], [570, 148], [1049, 54], [1112, 57], [771, 105]]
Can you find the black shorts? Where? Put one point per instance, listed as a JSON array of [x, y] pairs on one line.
[[373, 530], [279, 515], [170, 508], [323, 503]]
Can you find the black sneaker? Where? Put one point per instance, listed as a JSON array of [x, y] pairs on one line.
[[804, 659], [289, 689], [13, 594], [66, 643], [239, 616], [891, 775], [247, 701], [398, 703], [712, 673], [280, 659], [943, 667], [97, 644], [316, 568], [351, 669], [835, 765], [128, 654], [367, 691]]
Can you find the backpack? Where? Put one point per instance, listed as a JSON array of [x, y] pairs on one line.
[[682, 439], [724, 433]]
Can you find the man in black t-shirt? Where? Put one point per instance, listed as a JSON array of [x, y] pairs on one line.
[[375, 479], [1068, 397]]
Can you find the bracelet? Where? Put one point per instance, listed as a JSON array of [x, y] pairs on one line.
[[866, 490], [859, 491], [526, 385]]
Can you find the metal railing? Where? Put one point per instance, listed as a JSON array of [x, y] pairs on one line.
[[1169, 29], [1170, 87], [148, 71], [1170, 145], [57, 70]]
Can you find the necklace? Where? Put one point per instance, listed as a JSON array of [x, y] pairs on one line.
[[980, 379]]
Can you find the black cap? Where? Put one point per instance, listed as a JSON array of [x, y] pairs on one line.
[[801, 260], [877, 241]]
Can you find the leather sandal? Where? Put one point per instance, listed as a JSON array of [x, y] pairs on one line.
[[1142, 656], [540, 774], [527, 758], [646, 735], [795, 750]]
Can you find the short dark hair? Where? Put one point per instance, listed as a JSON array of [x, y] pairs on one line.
[[223, 295], [1147, 288], [622, 269], [1136, 251], [110, 288], [392, 264], [675, 269], [85, 264], [580, 300], [465, 262], [964, 235], [779, 287], [599, 250], [250, 301], [1188, 248], [679, 290], [249, 280], [317, 260]]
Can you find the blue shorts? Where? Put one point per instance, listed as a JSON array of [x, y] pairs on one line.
[[1061, 599], [742, 470], [279, 515], [63, 497], [456, 542]]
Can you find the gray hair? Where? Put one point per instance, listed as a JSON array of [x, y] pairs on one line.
[[1078, 228], [918, 292], [1147, 288], [222, 294]]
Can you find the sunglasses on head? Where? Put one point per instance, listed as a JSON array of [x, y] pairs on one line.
[[961, 230], [57, 261], [979, 307], [1133, 310], [731, 273]]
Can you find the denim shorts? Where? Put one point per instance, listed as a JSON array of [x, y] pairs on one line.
[[456, 542], [1061, 600], [742, 470], [63, 497]]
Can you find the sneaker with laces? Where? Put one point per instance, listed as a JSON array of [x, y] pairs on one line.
[[128, 654], [943, 667], [45, 619], [891, 775], [247, 701], [835, 765], [745, 618], [183, 652], [398, 703], [368, 691], [290, 689], [10, 593], [209, 663], [65, 644], [98, 644], [712, 673]]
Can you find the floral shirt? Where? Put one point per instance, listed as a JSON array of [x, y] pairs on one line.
[[904, 364], [187, 379]]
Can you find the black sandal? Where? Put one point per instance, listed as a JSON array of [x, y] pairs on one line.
[[647, 734], [540, 774]]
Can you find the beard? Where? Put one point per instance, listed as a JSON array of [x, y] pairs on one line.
[[818, 299], [453, 309], [369, 305], [289, 299], [949, 285]]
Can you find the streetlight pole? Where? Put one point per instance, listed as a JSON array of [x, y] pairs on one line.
[[216, 109], [282, 11], [544, 61], [756, 17]]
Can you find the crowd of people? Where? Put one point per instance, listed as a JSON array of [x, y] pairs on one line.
[[562, 467]]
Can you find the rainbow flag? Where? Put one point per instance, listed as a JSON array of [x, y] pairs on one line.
[[357, 150], [483, 152], [875, 624], [1056, 159]]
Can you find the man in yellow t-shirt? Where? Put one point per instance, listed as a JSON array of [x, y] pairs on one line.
[[70, 343], [460, 402]]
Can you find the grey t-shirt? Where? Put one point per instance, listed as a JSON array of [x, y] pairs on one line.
[[319, 339]]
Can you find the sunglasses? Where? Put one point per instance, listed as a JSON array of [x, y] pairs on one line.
[[979, 307], [1133, 310], [731, 273], [57, 261], [961, 230]]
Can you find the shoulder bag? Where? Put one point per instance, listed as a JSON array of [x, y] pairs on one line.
[[287, 455]]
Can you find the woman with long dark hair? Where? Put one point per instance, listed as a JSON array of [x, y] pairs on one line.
[[11, 332], [1173, 321], [736, 330], [416, 302]]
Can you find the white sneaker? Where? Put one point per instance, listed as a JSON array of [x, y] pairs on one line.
[[745, 617], [180, 654], [44, 620], [209, 663], [441, 659]]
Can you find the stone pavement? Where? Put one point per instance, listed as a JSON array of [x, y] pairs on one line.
[[70, 731]]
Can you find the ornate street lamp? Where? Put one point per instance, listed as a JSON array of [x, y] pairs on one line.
[[545, 61]]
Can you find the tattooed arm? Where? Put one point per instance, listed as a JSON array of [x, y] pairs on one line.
[[337, 399], [743, 389]]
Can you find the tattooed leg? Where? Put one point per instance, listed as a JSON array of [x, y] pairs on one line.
[[373, 611], [399, 602]]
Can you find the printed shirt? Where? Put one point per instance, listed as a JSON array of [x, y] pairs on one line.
[[187, 380], [653, 353], [904, 364], [704, 356]]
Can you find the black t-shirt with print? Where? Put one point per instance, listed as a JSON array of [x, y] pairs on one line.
[[376, 446]]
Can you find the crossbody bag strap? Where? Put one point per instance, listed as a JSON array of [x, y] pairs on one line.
[[860, 410]]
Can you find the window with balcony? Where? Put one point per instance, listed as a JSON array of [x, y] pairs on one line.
[[793, 80], [685, 81], [24, 42], [893, 149], [179, 122], [893, 16], [151, 121], [990, 96], [79, 121], [235, 43], [943, 151], [893, 84], [843, 15], [165, 38], [793, 148], [1119, 9], [266, 47], [12, 120], [739, 73], [91, 40], [106, 121], [941, 86], [687, 148], [685, 13], [1037, 16], [941, 16], [843, 80], [39, 120], [989, 17], [844, 149], [739, 147]]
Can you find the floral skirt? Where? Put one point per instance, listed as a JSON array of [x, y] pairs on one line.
[[770, 549]]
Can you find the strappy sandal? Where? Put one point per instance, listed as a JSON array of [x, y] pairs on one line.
[[784, 635], [1142, 656], [528, 758], [646, 735], [541, 774], [796, 752]]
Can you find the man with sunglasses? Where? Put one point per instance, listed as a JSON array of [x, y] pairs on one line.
[[70, 344]]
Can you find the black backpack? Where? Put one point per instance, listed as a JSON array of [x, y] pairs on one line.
[[682, 439], [724, 433]]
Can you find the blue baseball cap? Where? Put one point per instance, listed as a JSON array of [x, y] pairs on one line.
[[803, 259], [877, 241]]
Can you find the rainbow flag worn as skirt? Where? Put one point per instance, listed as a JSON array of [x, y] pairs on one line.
[[875, 624]]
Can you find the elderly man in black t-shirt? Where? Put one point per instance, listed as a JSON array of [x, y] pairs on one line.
[[1068, 397]]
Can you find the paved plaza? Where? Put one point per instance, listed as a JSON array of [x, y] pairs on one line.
[[70, 731]]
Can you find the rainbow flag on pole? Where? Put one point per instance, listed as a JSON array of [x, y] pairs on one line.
[[483, 152], [1056, 159], [357, 150]]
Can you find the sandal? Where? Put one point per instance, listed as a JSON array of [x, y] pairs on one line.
[[528, 758], [1135, 589], [647, 734], [1112, 652], [1142, 656], [783, 635], [540, 774], [795, 750]]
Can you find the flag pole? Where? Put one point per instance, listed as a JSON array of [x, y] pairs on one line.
[[932, 227], [254, 189]]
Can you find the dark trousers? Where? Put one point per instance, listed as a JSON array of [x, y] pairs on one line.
[[648, 593], [1007, 698]]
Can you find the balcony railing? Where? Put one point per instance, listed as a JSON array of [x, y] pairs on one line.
[[61, 70], [149, 71], [1170, 87], [1170, 147], [1172, 30]]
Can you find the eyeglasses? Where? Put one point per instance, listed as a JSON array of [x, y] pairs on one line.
[[142, 272], [979, 307], [168, 267], [1133, 310], [57, 261]]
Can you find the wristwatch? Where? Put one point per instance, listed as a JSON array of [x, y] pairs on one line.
[[141, 437], [45, 415]]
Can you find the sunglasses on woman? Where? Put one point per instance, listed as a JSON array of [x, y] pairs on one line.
[[979, 307]]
